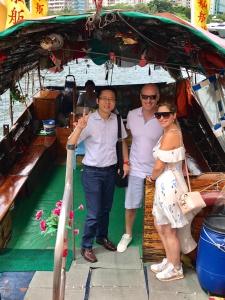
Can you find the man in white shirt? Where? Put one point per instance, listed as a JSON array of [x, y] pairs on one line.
[[99, 131], [145, 131]]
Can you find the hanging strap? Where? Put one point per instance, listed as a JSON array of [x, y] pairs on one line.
[[188, 179], [119, 144]]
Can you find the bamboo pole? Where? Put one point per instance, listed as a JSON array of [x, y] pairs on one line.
[[39, 77], [11, 109]]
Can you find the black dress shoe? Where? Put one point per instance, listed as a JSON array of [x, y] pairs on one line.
[[89, 255], [107, 244]]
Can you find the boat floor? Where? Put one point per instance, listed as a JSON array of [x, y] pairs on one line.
[[114, 276], [85, 281]]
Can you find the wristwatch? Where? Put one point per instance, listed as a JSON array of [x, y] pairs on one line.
[[126, 163]]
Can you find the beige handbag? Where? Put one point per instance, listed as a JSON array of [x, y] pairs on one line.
[[190, 201]]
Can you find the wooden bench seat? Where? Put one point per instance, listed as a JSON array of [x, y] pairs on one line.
[[28, 160], [9, 191], [23, 177]]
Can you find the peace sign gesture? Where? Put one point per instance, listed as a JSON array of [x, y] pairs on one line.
[[82, 122]]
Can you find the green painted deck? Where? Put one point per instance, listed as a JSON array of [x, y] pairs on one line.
[[119, 276], [26, 230]]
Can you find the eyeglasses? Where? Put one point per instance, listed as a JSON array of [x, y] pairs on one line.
[[151, 97], [111, 100], [165, 115]]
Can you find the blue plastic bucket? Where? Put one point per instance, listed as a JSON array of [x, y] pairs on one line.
[[49, 126], [210, 265]]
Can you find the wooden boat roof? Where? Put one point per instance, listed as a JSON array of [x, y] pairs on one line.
[[163, 39]]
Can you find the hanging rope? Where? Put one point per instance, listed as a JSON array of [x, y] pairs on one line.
[[98, 8], [218, 98], [218, 246]]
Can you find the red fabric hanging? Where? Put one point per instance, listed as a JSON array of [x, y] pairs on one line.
[[186, 104]]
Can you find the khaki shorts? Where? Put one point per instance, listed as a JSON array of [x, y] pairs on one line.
[[134, 192]]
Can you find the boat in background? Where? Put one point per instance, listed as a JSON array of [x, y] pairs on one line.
[[217, 29], [124, 38]]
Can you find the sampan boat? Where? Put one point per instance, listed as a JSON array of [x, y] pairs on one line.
[[125, 39]]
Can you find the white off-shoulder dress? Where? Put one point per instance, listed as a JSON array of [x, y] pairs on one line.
[[169, 185]]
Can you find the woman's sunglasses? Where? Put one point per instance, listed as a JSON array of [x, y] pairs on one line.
[[165, 115]]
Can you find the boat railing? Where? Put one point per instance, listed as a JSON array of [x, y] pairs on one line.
[[61, 246]]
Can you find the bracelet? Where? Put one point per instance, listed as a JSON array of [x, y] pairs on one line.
[[152, 179], [126, 163]]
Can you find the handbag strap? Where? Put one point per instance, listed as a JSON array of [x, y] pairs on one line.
[[181, 144], [187, 174], [119, 144]]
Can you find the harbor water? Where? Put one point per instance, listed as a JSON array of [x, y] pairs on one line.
[[83, 71]]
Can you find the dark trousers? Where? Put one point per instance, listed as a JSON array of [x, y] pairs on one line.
[[99, 188]]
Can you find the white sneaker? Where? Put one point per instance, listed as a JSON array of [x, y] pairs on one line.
[[156, 268], [124, 242], [170, 273]]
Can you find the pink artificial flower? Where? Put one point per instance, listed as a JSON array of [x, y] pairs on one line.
[[69, 223], [39, 214], [56, 211], [76, 231], [81, 207], [59, 204], [65, 252], [71, 215], [43, 225]]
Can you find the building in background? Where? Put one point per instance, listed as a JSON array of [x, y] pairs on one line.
[[185, 3], [56, 5], [217, 7], [82, 6]]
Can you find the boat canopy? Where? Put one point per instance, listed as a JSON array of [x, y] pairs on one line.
[[126, 38]]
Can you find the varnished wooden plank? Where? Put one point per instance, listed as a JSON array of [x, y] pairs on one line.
[[44, 140], [28, 160], [8, 192]]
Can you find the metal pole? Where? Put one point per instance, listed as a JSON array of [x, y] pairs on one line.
[[59, 276]]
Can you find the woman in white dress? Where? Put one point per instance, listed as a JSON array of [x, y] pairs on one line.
[[169, 181]]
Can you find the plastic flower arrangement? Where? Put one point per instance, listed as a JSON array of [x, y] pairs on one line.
[[50, 225]]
